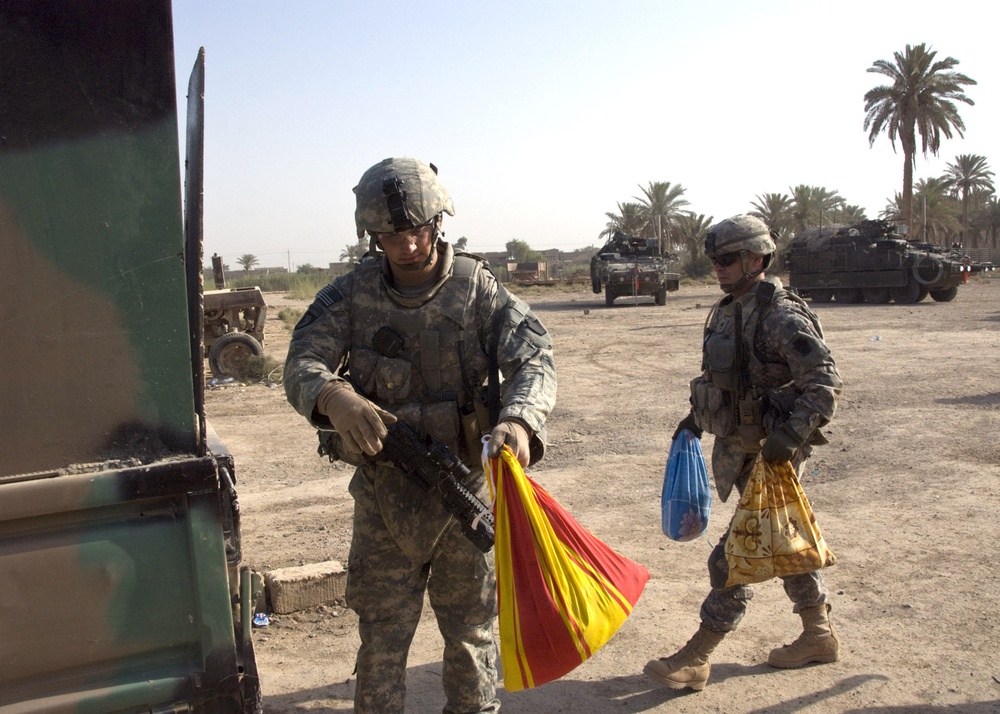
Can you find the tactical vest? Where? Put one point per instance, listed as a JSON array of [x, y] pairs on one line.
[[425, 363], [739, 392]]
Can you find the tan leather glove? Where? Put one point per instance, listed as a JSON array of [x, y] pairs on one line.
[[360, 423], [516, 436]]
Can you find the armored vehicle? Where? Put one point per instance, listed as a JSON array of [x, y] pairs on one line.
[[872, 262], [628, 266], [122, 580], [234, 328]]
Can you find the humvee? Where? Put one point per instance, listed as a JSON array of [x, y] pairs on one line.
[[629, 266]]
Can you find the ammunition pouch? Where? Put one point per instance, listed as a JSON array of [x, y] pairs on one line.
[[712, 407], [751, 423], [715, 412], [720, 361]]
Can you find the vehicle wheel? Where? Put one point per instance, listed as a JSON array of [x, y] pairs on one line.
[[924, 292], [847, 295], [661, 296], [907, 294], [875, 296], [595, 285], [229, 353], [609, 297], [944, 294], [821, 296]]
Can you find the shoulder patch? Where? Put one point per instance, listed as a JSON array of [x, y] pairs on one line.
[[329, 294], [327, 297]]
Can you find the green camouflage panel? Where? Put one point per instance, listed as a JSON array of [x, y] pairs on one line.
[[115, 589], [422, 193], [92, 277], [120, 571], [403, 541]]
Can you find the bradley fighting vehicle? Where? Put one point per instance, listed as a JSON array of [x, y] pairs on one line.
[[872, 262], [122, 586], [628, 266]]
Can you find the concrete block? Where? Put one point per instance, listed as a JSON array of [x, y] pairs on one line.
[[305, 586]]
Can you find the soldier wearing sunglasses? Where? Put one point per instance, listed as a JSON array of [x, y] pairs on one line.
[[767, 378]]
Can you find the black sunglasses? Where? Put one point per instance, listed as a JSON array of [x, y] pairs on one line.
[[725, 260]]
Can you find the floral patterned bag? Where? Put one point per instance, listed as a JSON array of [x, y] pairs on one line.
[[773, 532]]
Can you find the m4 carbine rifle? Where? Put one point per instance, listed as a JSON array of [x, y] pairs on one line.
[[437, 468]]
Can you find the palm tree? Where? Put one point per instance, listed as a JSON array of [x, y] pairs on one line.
[[921, 99], [661, 208], [775, 209], [629, 219], [848, 214], [247, 260], [970, 178], [814, 206], [354, 253], [892, 211], [987, 220], [691, 230], [936, 217]]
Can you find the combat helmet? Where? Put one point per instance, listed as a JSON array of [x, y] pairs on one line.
[[739, 233], [397, 194]]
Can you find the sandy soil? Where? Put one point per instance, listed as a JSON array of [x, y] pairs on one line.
[[906, 494]]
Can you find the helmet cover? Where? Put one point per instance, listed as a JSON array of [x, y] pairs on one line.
[[738, 233], [398, 194]]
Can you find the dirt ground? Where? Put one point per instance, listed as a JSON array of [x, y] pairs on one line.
[[906, 495]]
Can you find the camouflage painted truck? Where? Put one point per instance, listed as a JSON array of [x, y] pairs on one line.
[[628, 266], [872, 262], [122, 584]]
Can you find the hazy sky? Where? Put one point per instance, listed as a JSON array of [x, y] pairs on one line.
[[543, 116]]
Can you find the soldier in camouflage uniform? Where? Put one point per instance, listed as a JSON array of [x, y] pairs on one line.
[[413, 333], [781, 392]]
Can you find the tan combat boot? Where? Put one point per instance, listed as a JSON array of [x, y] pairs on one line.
[[689, 666], [817, 643]]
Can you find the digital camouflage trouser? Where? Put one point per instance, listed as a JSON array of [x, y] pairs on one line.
[[724, 607], [399, 550]]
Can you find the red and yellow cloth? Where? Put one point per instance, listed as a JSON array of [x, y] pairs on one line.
[[561, 592]]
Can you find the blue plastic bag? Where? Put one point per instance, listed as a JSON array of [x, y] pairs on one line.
[[687, 494]]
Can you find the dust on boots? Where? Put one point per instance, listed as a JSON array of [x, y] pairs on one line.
[[689, 666], [817, 643]]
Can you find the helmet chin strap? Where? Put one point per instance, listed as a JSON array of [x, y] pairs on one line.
[[729, 288], [438, 234]]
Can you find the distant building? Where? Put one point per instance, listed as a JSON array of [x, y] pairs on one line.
[[527, 272], [230, 275]]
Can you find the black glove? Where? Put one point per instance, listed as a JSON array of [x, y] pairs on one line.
[[780, 446], [689, 423]]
